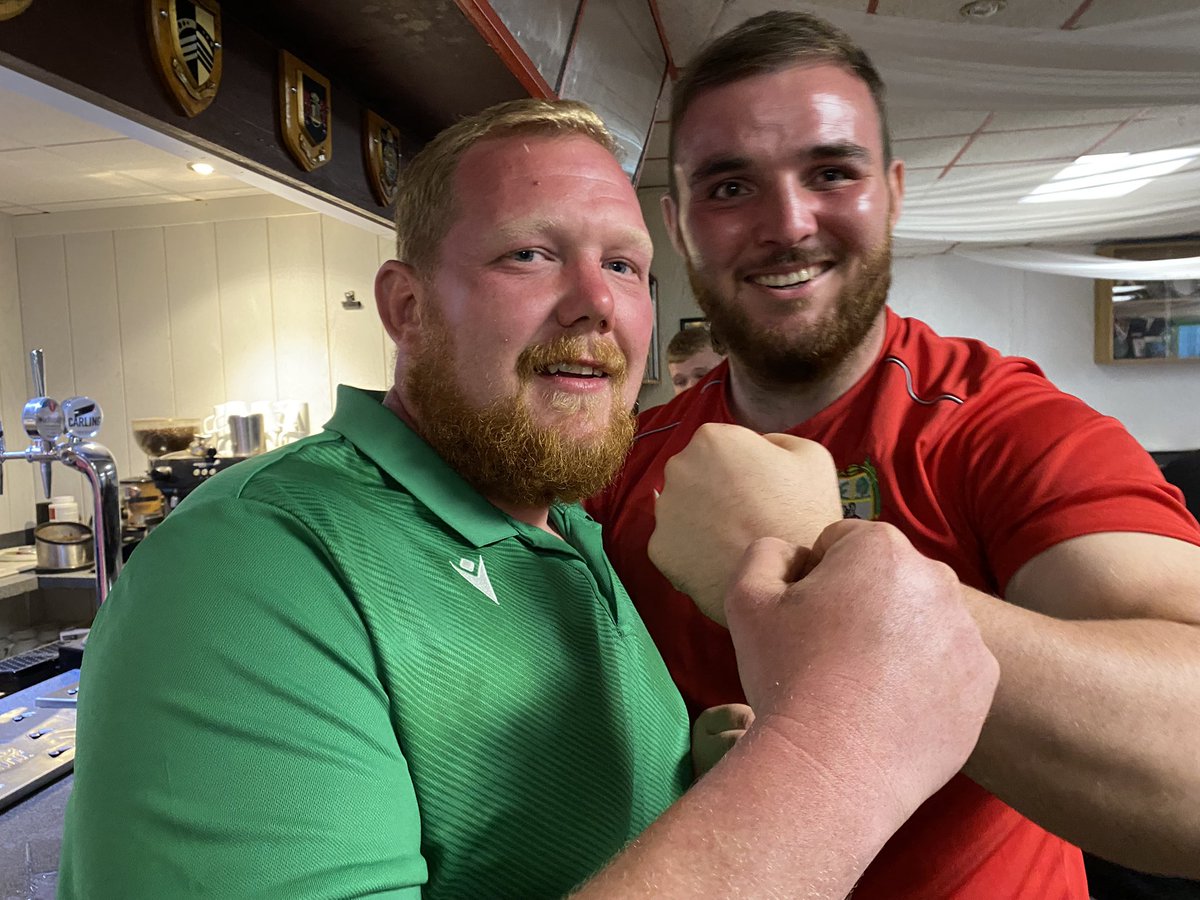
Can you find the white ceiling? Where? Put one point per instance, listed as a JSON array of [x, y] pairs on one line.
[[53, 161]]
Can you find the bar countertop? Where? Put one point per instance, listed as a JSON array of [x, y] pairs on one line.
[[31, 829]]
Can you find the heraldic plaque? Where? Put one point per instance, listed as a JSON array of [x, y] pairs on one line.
[[187, 45], [381, 142], [10, 9], [305, 112]]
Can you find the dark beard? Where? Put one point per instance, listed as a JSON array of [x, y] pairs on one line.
[[769, 354], [498, 449]]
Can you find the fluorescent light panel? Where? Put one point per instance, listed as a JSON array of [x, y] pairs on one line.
[[1110, 175]]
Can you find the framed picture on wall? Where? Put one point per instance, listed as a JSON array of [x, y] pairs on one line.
[[653, 371], [699, 322], [1148, 320]]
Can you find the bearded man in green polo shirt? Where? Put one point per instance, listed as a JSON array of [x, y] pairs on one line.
[[392, 660]]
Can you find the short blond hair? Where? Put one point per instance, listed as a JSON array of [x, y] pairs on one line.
[[425, 195]]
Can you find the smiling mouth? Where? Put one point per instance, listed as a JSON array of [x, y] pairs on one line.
[[572, 370], [793, 278]]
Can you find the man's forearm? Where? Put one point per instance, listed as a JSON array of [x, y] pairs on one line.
[[797, 828], [1094, 732]]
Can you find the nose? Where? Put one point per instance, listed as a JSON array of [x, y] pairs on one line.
[[788, 214], [587, 298]]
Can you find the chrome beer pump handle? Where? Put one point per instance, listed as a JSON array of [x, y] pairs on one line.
[[83, 419], [97, 466], [43, 419], [37, 364]]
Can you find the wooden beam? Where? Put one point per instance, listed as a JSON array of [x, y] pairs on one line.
[[500, 39]]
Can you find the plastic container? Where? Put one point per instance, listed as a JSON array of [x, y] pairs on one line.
[[64, 509]]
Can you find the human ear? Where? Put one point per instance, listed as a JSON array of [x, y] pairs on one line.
[[670, 213], [397, 297], [895, 183]]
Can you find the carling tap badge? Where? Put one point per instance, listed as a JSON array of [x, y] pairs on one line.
[[187, 45], [305, 113], [381, 143]]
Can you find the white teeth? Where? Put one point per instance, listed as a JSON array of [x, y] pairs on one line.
[[572, 369], [788, 279]]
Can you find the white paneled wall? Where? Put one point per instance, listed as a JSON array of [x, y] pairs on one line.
[[1050, 319], [675, 300], [18, 485], [155, 315]]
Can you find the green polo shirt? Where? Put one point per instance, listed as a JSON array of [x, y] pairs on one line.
[[337, 671]]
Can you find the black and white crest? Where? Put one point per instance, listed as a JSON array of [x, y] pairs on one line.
[[187, 44]]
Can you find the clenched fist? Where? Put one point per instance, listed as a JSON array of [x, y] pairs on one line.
[[866, 645], [729, 487]]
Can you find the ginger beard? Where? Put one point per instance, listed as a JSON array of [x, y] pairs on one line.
[[499, 449], [776, 356]]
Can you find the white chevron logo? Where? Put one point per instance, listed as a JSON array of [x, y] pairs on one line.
[[477, 576]]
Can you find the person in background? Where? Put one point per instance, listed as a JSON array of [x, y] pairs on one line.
[[690, 356], [392, 660], [1078, 562]]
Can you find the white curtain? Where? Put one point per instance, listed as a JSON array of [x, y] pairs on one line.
[[1053, 262], [1150, 64]]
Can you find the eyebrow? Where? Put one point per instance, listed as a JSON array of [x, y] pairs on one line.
[[722, 165], [527, 229]]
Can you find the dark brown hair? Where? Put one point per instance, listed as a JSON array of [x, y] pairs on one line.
[[769, 43]]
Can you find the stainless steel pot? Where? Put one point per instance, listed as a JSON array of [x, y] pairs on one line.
[[64, 546]]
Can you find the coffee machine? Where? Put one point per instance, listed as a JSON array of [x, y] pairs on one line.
[[178, 474], [180, 461]]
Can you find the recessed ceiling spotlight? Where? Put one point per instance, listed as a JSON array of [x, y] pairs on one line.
[[982, 9], [201, 168]]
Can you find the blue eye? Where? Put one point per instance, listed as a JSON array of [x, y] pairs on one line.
[[525, 255], [620, 266]]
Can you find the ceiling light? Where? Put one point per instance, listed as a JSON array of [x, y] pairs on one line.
[[981, 9], [1110, 175], [201, 168]]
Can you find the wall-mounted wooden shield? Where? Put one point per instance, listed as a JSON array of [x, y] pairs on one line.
[[187, 44], [10, 8], [305, 112], [381, 143]]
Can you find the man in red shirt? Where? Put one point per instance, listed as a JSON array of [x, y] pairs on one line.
[[1078, 562]]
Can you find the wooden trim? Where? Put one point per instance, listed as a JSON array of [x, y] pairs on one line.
[[1076, 16], [1103, 351], [672, 71], [490, 27], [562, 70], [637, 175]]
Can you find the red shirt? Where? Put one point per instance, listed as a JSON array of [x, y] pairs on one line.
[[983, 464]]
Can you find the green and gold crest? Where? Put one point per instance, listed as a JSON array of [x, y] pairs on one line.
[[859, 488]]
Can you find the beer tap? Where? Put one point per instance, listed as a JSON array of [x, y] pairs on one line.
[[63, 433], [42, 418]]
